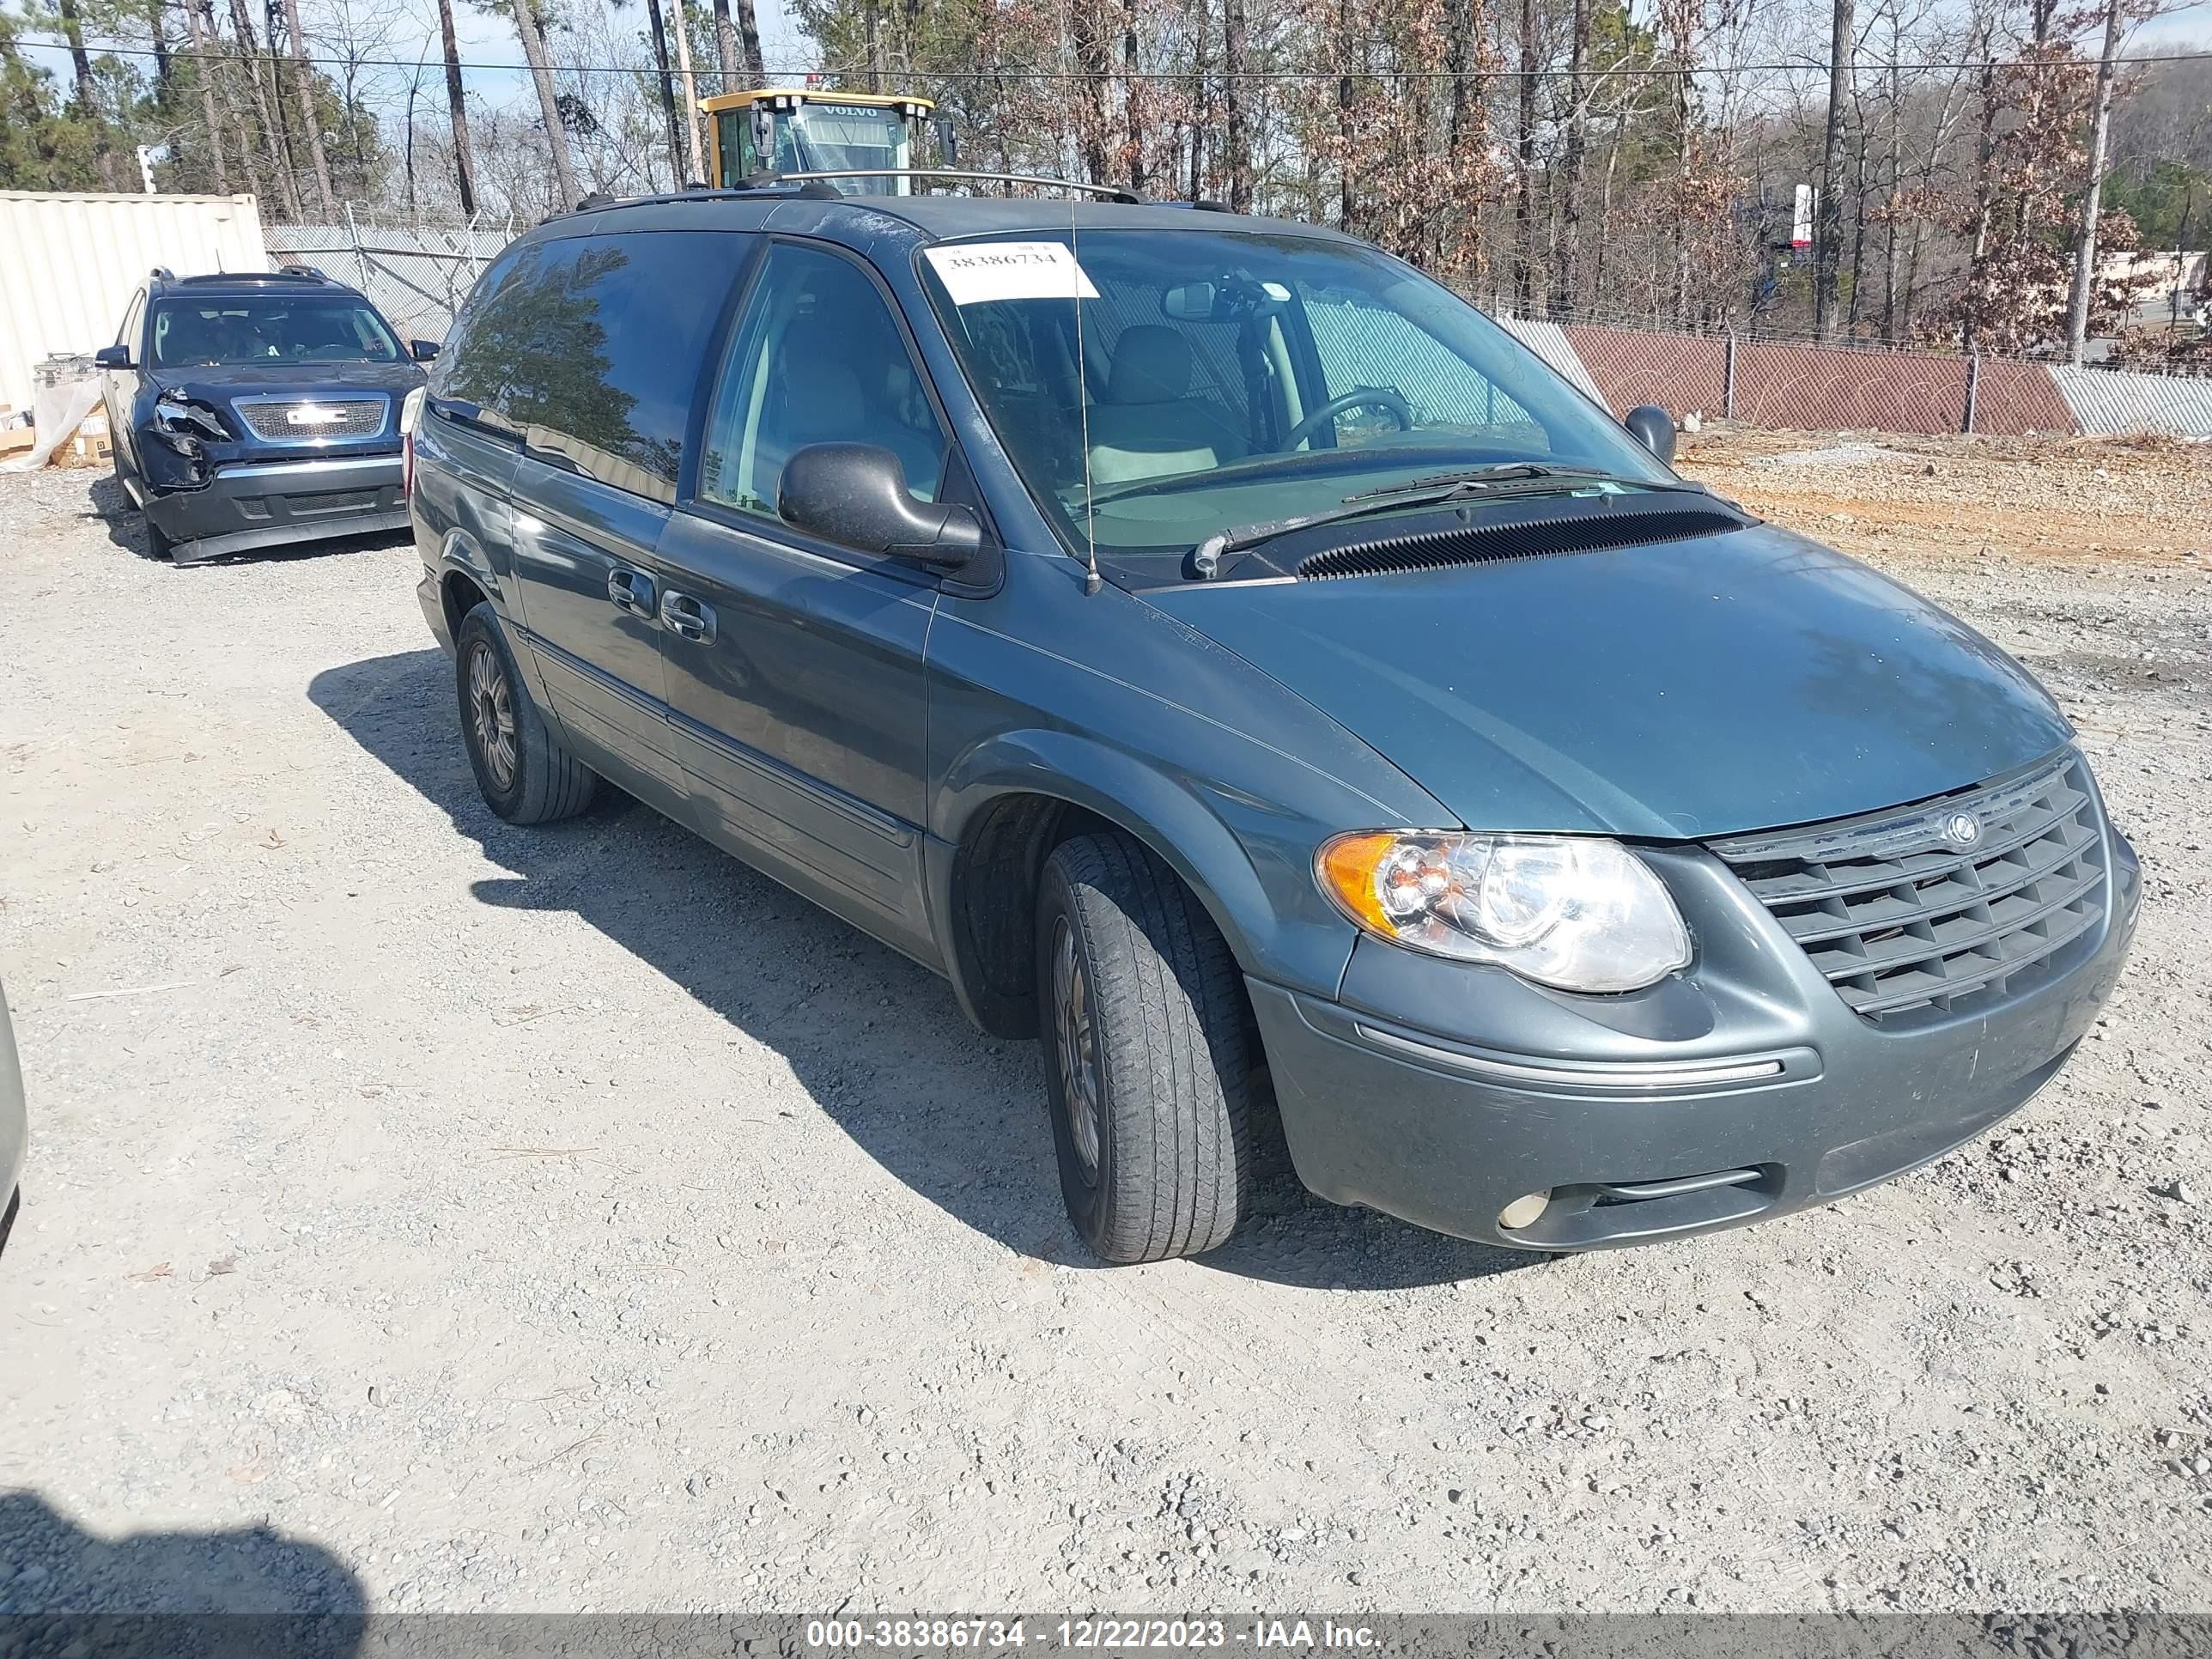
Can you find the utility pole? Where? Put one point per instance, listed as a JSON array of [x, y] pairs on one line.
[[690, 92]]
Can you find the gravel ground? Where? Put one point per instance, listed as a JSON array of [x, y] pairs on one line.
[[425, 1213]]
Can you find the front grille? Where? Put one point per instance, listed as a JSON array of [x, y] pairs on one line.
[[312, 420], [1906, 922]]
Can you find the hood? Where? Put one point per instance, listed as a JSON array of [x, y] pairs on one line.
[[218, 385], [1707, 687]]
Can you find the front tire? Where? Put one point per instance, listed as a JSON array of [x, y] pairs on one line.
[[522, 771], [1147, 1063]]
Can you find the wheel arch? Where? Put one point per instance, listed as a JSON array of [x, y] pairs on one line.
[[1010, 803]]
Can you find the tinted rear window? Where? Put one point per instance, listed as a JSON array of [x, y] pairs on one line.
[[592, 346]]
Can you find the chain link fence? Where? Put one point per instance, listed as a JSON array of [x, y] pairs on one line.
[[1801, 385], [417, 277]]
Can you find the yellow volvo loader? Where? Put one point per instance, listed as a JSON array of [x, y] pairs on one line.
[[792, 129]]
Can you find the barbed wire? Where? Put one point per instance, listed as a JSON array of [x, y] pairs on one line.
[[1652, 71]]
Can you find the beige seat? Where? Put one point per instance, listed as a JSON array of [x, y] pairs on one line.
[[1149, 425]]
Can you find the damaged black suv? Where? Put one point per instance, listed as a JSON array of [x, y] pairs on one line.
[[254, 410]]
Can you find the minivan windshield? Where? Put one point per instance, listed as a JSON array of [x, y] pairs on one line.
[[1231, 377], [277, 329]]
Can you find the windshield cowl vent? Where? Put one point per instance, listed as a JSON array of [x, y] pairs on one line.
[[1617, 526]]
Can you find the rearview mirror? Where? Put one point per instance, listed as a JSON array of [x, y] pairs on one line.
[[855, 495], [114, 356], [1192, 302], [1653, 428], [425, 350]]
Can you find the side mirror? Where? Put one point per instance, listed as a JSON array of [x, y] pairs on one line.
[[948, 141], [1654, 427], [855, 495], [425, 352], [114, 356]]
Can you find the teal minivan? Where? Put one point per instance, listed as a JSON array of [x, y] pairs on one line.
[[1229, 657]]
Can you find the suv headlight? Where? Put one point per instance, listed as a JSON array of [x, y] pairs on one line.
[[176, 416], [1574, 912]]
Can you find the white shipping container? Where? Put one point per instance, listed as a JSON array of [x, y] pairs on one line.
[[69, 263]]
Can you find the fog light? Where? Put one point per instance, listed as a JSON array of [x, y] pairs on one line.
[[1524, 1209]]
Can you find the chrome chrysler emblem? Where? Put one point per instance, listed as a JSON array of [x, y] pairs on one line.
[[1962, 830]]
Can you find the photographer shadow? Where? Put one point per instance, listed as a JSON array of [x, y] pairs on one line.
[[199, 1594]]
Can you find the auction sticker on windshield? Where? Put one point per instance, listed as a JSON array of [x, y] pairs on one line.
[[979, 273]]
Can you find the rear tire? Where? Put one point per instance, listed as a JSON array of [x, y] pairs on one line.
[[522, 771], [1147, 1063]]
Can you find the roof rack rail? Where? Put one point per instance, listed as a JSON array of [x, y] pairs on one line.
[[1109, 192], [163, 274], [302, 270]]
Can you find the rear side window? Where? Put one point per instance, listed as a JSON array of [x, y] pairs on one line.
[[591, 347]]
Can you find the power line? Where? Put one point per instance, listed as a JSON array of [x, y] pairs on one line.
[[1804, 64]]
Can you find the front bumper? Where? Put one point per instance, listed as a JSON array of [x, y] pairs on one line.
[[1746, 1090], [277, 503]]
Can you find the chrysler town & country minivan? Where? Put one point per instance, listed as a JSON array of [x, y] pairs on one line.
[[1224, 653]]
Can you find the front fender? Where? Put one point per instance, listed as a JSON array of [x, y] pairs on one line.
[[1247, 859], [1112, 706]]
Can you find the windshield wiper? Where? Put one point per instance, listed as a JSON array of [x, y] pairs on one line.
[[1475, 475], [1205, 560]]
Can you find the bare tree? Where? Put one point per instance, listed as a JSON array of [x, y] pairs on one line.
[[303, 88], [1236, 142], [532, 40], [1566, 291], [288, 187], [457, 108], [1828, 232], [2093, 197], [88, 94], [740, 47], [198, 35]]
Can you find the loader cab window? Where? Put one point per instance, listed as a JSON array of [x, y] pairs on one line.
[[817, 138]]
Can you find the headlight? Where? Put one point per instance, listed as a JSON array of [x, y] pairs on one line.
[[1571, 911], [177, 416]]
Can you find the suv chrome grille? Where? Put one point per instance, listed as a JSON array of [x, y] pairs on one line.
[[1911, 914], [312, 420]]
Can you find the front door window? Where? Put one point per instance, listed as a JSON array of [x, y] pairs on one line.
[[817, 359]]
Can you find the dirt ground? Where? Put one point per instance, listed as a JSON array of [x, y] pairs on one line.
[[425, 1213]]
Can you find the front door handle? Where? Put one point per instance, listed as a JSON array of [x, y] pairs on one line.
[[630, 590], [683, 615]]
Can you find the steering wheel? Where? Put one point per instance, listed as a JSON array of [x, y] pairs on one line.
[[1358, 397]]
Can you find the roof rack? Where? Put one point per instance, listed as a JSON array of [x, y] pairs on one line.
[[1109, 192], [289, 274], [163, 274]]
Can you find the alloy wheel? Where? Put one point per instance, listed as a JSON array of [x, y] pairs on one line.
[[491, 713], [1078, 1047]]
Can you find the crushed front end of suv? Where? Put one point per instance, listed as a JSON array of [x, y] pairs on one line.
[[257, 410]]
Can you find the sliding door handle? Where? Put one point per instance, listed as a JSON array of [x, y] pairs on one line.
[[630, 590], [683, 615]]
